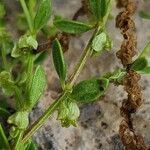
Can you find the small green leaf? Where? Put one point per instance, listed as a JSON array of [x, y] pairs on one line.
[[99, 8], [99, 42], [25, 44], [144, 14], [4, 145], [19, 119], [43, 14], [37, 86], [59, 61], [89, 90], [146, 70], [116, 77], [139, 64], [73, 27], [68, 112]]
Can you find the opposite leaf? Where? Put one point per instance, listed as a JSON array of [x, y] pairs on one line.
[[37, 86], [59, 61], [42, 15], [89, 90], [4, 145], [73, 27]]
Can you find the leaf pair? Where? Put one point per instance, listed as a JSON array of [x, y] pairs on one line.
[[89, 90]]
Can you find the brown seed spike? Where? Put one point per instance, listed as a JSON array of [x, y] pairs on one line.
[[127, 51]]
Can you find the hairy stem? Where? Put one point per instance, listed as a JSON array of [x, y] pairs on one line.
[[86, 53]]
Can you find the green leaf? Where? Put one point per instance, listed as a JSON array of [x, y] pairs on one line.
[[25, 44], [68, 112], [73, 27], [19, 119], [59, 62], [99, 8], [116, 77], [144, 14], [43, 14], [37, 86], [89, 90], [139, 64], [99, 42], [4, 145], [146, 70]]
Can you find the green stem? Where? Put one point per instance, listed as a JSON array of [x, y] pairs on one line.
[[27, 14], [145, 51], [37, 124], [86, 53]]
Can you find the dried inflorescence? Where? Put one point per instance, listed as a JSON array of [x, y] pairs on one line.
[[127, 26], [124, 21]]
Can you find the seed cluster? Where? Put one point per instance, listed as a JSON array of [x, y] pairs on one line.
[[130, 139]]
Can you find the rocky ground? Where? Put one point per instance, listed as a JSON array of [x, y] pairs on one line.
[[99, 122]]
